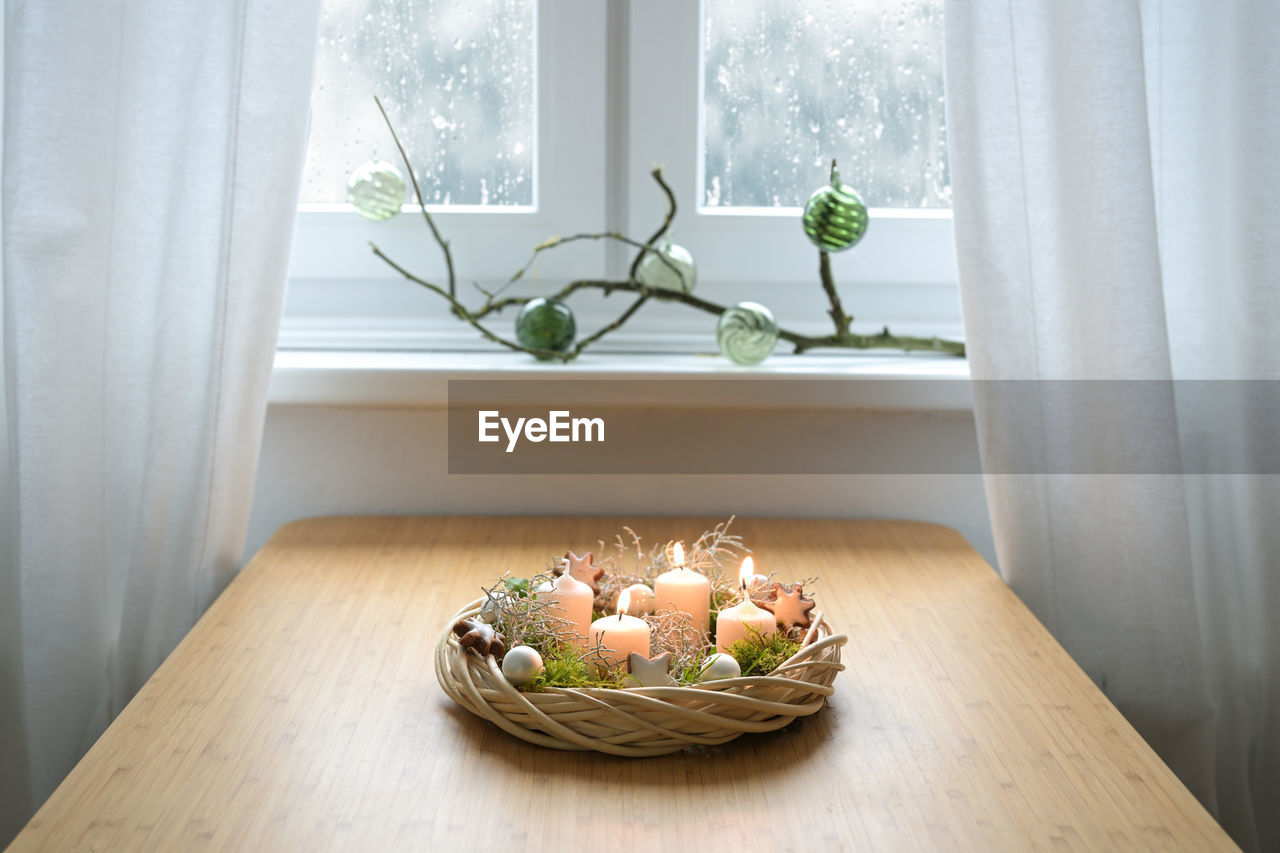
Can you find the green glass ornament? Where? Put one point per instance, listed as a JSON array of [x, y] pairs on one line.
[[546, 324], [835, 217], [747, 333], [677, 273], [376, 190]]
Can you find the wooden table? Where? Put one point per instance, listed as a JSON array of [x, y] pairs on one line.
[[302, 713]]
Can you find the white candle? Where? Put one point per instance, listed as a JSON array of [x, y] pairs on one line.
[[570, 599], [684, 590], [620, 635], [732, 624]]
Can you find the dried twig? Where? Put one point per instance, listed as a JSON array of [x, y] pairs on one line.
[[841, 319], [842, 338], [422, 202]]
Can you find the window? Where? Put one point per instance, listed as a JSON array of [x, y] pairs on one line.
[[563, 110], [786, 88], [457, 78]]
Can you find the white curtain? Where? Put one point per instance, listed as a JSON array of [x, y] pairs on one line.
[[1117, 194], [152, 154]]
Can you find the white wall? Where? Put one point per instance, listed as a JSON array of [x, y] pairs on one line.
[[328, 460]]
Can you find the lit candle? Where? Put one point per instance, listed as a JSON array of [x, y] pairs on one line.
[[684, 590], [570, 599], [756, 584], [732, 624], [621, 635]]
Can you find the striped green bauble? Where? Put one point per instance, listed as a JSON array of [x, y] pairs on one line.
[[376, 190], [835, 217]]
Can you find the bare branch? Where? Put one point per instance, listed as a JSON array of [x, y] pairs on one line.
[[461, 311], [838, 316], [422, 202], [842, 338]]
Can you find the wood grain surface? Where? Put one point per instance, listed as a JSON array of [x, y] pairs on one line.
[[302, 713]]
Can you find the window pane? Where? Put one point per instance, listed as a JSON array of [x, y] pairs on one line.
[[789, 87], [457, 78]]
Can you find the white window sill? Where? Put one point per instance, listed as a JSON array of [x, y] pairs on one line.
[[868, 381]]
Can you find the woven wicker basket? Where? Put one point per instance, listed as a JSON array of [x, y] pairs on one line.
[[641, 721]]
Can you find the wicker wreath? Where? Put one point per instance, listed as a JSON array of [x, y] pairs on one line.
[[642, 721]]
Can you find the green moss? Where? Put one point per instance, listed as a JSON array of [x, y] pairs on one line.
[[566, 669], [759, 655]]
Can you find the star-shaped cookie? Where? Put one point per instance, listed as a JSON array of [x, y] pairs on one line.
[[583, 569], [788, 605], [651, 672], [474, 634]]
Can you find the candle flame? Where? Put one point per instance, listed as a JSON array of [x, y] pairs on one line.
[[748, 572], [677, 555], [624, 602]]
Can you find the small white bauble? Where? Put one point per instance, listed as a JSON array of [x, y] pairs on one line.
[[678, 272], [521, 664], [544, 586], [642, 600], [718, 666], [489, 610]]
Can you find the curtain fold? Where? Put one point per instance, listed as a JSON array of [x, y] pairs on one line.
[[1114, 180], [152, 157]]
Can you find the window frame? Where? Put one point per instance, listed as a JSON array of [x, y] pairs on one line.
[[605, 71]]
